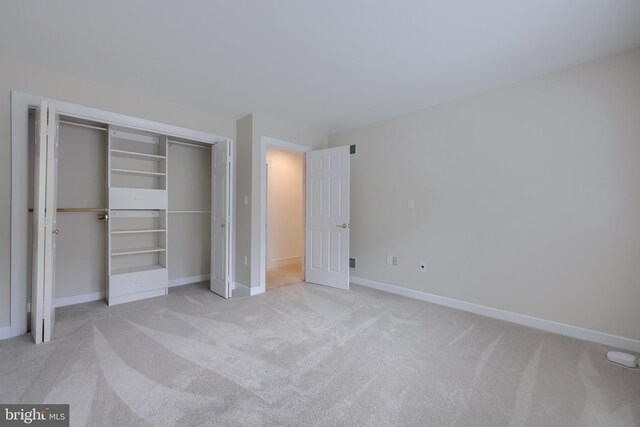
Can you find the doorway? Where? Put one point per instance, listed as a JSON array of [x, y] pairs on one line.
[[284, 216], [325, 222]]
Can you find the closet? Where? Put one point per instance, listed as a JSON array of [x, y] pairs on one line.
[[121, 213], [189, 213]]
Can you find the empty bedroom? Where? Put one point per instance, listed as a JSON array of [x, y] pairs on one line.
[[342, 213]]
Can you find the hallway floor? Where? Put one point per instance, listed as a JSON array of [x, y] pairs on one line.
[[284, 276]]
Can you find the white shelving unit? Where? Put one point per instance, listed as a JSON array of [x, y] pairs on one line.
[[137, 193]]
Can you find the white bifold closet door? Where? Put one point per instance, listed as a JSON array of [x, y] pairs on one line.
[[327, 181], [221, 218], [44, 223]]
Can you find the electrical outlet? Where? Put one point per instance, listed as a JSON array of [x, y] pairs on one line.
[[395, 260], [423, 266], [389, 260]]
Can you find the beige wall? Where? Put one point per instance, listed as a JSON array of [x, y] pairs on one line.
[[526, 197], [189, 190], [71, 88], [284, 207], [82, 180], [244, 143]]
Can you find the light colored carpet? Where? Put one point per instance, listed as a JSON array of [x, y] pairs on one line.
[[283, 276], [307, 355]]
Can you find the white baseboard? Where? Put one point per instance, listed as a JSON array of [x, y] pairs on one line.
[[79, 299], [5, 332], [521, 319], [188, 280], [283, 262], [248, 289]]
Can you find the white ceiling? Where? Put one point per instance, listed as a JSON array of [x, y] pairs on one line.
[[329, 65]]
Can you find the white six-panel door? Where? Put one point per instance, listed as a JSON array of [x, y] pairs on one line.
[[220, 218], [327, 217], [44, 221]]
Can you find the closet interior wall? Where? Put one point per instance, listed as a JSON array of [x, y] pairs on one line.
[[189, 213], [80, 272]]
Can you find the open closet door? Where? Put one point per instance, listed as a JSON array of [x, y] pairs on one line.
[[44, 224], [221, 218], [327, 180]]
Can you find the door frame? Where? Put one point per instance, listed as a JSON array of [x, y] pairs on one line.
[[290, 146], [20, 104]]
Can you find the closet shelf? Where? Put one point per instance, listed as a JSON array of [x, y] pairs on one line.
[[137, 172], [139, 231], [139, 269], [135, 155], [134, 251]]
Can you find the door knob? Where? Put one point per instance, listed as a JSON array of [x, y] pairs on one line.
[[56, 231], [343, 226], [222, 225]]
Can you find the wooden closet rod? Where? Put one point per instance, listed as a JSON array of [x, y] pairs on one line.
[[78, 210], [82, 125]]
